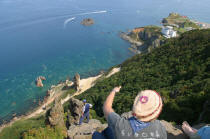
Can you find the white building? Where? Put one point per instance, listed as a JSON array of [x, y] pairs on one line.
[[168, 32]]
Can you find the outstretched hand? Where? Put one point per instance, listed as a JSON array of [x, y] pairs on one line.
[[116, 89]]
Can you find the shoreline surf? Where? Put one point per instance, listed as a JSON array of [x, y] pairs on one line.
[[85, 84]]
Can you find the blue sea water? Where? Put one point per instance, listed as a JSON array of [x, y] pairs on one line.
[[34, 41]]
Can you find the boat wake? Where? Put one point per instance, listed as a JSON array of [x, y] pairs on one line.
[[67, 21], [87, 13], [50, 19], [96, 12]]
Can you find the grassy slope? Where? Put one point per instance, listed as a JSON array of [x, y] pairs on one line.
[[183, 22], [18, 128], [182, 65]]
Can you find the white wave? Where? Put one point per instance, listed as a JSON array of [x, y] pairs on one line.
[[87, 13], [67, 21], [50, 19]]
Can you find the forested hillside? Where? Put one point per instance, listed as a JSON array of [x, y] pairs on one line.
[[179, 70]]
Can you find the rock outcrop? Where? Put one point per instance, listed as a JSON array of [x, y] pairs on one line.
[[56, 117], [144, 39], [68, 83], [172, 131], [39, 81], [87, 22], [77, 81], [75, 109], [85, 130]]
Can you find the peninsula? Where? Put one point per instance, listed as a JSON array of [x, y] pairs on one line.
[[144, 39]]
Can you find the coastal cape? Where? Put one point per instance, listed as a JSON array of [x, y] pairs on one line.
[[174, 69], [145, 39]]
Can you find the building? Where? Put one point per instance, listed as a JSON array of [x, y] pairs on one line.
[[168, 32]]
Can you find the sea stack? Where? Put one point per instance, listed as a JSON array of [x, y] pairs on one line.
[[39, 81], [87, 22], [76, 81]]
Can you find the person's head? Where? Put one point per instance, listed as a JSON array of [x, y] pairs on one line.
[[84, 100], [147, 105]]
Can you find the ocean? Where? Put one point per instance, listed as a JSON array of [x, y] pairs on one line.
[[45, 37]]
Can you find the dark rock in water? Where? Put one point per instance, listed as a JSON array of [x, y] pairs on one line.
[[87, 22], [13, 115], [39, 81], [102, 72]]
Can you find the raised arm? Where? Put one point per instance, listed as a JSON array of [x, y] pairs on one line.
[[107, 108]]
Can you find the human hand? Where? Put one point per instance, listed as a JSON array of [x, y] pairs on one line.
[[116, 89]]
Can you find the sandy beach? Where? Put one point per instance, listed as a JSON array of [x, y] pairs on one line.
[[85, 84]]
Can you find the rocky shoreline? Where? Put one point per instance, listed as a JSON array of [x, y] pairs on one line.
[[144, 39], [51, 94], [134, 44], [56, 91]]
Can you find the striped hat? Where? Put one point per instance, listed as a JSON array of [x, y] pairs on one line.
[[147, 105]]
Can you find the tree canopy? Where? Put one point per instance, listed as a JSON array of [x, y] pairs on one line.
[[179, 70]]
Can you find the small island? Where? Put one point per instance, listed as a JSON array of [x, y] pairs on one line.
[[39, 81], [144, 39], [87, 22]]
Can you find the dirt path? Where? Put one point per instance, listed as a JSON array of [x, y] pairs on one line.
[[113, 71], [84, 85]]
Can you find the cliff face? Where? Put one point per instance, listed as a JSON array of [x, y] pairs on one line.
[[76, 81], [56, 117], [75, 111], [85, 130], [144, 39]]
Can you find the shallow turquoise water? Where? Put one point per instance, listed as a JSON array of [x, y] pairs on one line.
[[34, 41]]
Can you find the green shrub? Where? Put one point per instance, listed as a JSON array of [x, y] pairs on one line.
[[44, 133], [181, 64], [16, 130]]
